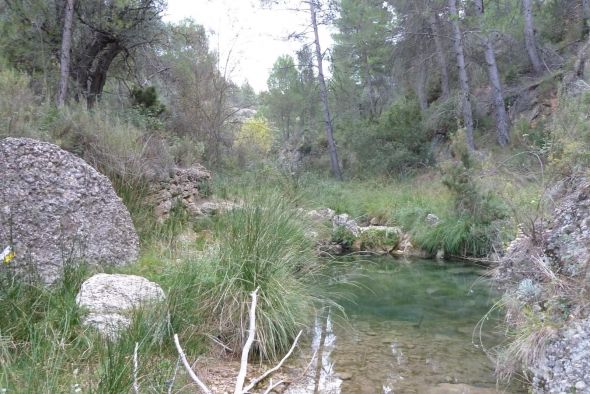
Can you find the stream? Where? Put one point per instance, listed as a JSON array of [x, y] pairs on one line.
[[410, 327]]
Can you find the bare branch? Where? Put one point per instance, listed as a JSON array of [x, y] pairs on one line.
[[254, 382], [273, 386], [246, 350], [190, 371]]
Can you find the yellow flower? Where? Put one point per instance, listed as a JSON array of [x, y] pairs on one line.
[[7, 255]]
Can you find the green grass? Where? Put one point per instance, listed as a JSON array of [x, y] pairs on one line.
[[45, 349]]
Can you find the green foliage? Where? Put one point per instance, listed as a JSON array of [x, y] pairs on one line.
[[378, 239], [397, 145], [343, 237], [19, 106], [146, 99], [474, 228]]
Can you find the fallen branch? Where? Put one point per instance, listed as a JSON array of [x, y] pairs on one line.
[[273, 386], [190, 371], [246, 350], [254, 382], [241, 378]]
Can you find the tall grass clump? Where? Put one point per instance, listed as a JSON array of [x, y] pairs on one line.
[[260, 245]]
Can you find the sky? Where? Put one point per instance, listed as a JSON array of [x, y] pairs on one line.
[[252, 36]]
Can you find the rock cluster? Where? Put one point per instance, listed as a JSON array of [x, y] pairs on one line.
[[56, 209], [184, 186], [566, 365], [373, 238], [558, 250], [110, 300]]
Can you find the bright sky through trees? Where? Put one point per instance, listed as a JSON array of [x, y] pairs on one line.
[[252, 36]]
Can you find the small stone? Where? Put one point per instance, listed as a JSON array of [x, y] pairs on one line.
[[580, 385], [345, 375]]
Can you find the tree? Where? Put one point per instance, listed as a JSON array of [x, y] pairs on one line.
[[64, 59], [529, 37], [283, 94], [502, 126], [362, 50], [199, 93], [111, 29], [434, 22], [101, 31], [335, 164], [463, 77]]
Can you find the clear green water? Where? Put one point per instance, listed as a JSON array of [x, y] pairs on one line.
[[411, 328]]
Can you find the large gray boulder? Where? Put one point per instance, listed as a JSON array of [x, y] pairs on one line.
[[55, 209], [110, 300]]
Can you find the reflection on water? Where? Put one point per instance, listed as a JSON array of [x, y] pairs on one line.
[[410, 329]]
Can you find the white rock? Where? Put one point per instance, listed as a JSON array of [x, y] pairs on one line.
[[321, 214], [111, 299]]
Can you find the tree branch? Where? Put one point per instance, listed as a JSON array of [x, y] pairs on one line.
[[190, 371], [246, 350], [272, 370]]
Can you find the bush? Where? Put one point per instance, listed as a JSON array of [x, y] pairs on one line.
[[261, 245], [395, 145]]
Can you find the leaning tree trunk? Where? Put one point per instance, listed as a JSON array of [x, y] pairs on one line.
[[440, 53], [324, 96], [529, 37], [64, 58], [463, 78], [92, 65], [586, 18], [502, 125]]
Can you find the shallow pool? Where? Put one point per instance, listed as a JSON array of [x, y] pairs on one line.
[[411, 327]]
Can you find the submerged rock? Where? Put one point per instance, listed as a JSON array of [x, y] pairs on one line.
[[111, 300], [56, 209], [449, 388]]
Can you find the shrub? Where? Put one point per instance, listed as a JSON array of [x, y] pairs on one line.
[[374, 239], [260, 245], [396, 145]]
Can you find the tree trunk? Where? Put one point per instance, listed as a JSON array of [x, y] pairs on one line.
[[64, 58], [440, 54], [586, 18], [369, 86], [502, 125], [463, 78], [98, 75], [529, 37], [92, 65], [324, 96], [420, 86]]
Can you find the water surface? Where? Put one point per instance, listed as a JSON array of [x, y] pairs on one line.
[[412, 327]]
